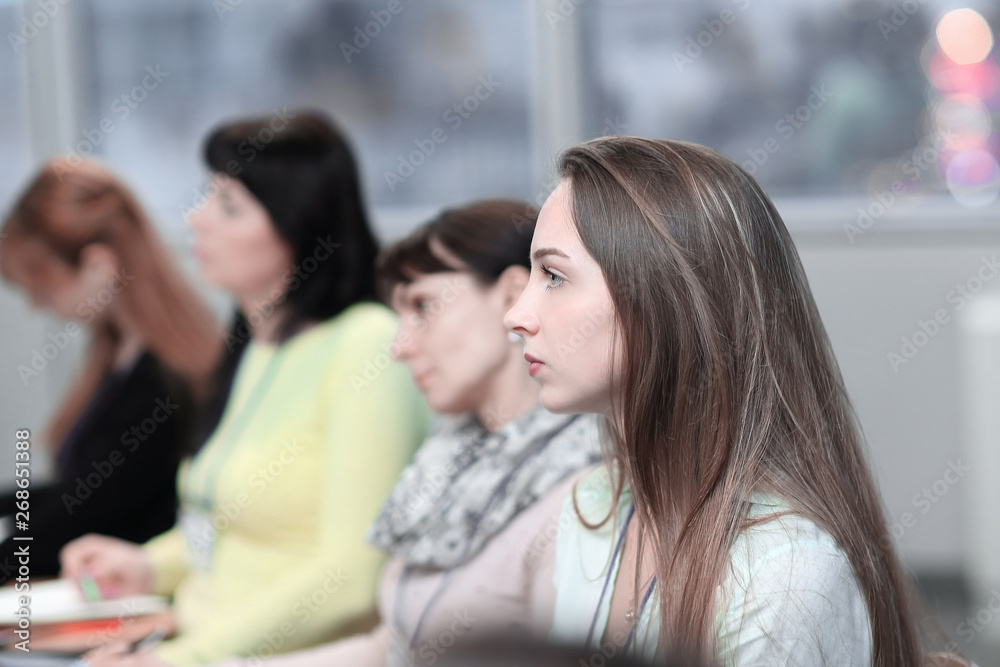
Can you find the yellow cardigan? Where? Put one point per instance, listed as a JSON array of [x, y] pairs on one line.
[[308, 448]]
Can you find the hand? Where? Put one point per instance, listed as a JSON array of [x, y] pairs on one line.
[[119, 567], [120, 654]]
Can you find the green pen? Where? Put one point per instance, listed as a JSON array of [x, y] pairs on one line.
[[88, 586]]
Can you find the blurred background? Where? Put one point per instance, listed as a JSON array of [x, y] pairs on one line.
[[871, 123]]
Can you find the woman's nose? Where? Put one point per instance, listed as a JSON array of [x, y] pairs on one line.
[[519, 318], [196, 219], [401, 348]]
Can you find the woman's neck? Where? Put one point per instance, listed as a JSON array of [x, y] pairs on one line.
[[264, 317], [130, 339], [129, 348], [265, 324]]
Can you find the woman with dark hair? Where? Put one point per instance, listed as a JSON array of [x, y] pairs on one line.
[[469, 527], [268, 554], [738, 519], [80, 245]]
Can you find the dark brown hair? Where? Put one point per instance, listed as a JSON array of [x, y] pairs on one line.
[[71, 204], [486, 236], [729, 383], [302, 170]]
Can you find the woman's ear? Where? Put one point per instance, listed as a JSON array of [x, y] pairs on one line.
[[511, 283]]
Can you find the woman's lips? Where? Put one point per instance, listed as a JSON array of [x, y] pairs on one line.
[[534, 365]]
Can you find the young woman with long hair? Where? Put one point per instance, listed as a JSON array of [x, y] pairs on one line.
[[740, 520], [79, 244]]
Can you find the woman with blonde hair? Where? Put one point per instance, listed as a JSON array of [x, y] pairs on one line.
[[80, 245]]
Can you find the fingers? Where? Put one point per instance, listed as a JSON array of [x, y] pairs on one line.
[[111, 648], [107, 655], [120, 654], [109, 561], [74, 557]]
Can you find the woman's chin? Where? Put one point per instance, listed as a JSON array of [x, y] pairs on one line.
[[557, 402]]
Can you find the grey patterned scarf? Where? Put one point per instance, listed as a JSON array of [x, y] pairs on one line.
[[449, 502]]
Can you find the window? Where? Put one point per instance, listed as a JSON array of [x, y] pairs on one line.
[[434, 97], [825, 98]]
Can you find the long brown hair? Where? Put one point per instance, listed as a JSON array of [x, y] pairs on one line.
[[70, 205], [729, 383]]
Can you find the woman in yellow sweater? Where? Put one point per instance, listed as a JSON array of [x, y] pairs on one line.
[[269, 554]]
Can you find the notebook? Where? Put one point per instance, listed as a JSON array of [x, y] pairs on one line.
[[60, 600]]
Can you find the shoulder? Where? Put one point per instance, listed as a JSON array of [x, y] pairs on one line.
[[362, 322], [588, 523], [358, 337], [541, 523], [145, 387], [791, 596], [592, 494], [587, 526]]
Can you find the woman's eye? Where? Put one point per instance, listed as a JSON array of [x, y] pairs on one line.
[[553, 279]]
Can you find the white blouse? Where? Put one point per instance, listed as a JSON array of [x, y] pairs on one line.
[[790, 598]]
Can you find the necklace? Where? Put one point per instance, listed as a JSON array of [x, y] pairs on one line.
[[630, 615], [630, 612], [642, 606]]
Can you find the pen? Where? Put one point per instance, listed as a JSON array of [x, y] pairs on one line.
[[89, 587]]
